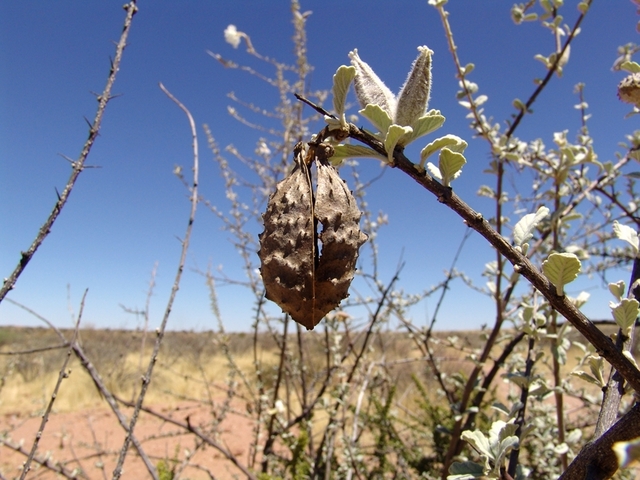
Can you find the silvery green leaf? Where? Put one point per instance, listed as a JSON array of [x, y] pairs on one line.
[[617, 289], [370, 90], [347, 150], [560, 269], [438, 3], [465, 471], [500, 407], [480, 100], [586, 377], [523, 231], [394, 134], [452, 142], [479, 442], [333, 123], [633, 153], [626, 233], [341, 83], [625, 314], [561, 449], [434, 171], [379, 117], [506, 445], [631, 67], [596, 365], [519, 105], [450, 165], [630, 357], [581, 299], [423, 126], [414, 95], [627, 452]]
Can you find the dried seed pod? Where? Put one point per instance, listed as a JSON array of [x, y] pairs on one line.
[[336, 209], [305, 284], [288, 243]]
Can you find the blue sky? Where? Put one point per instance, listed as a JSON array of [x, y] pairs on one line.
[[127, 215]]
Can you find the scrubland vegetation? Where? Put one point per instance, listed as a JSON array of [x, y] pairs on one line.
[[541, 393]]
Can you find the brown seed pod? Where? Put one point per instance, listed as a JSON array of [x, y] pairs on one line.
[[305, 283]]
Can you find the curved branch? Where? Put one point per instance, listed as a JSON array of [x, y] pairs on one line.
[[521, 264]]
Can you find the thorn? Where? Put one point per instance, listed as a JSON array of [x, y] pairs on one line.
[[68, 159], [57, 193]]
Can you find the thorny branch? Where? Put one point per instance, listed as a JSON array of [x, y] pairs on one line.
[[78, 165], [521, 263]]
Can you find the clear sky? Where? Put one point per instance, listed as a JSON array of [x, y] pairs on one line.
[[127, 215]]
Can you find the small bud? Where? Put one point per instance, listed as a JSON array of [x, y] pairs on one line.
[[370, 90], [414, 95], [232, 36]]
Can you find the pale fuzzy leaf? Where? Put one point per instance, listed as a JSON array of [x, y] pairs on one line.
[[523, 231], [450, 165], [506, 445], [586, 377], [434, 171], [617, 289], [452, 142], [481, 99], [583, 7], [394, 134], [626, 233], [561, 449], [631, 67], [635, 154], [581, 299], [630, 357], [424, 126], [479, 442], [500, 407], [625, 314], [627, 452], [574, 436], [347, 150], [376, 115], [341, 83], [596, 365], [465, 471], [560, 269]]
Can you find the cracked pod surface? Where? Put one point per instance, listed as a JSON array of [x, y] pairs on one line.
[[305, 282]]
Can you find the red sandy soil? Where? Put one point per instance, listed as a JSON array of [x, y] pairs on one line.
[[91, 440]]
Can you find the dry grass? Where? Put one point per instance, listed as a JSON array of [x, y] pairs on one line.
[[191, 365]]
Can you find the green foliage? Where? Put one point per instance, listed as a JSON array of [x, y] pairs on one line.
[[167, 468]]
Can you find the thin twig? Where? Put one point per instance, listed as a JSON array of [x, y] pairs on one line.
[[146, 380], [187, 426], [78, 165], [61, 376], [46, 461]]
